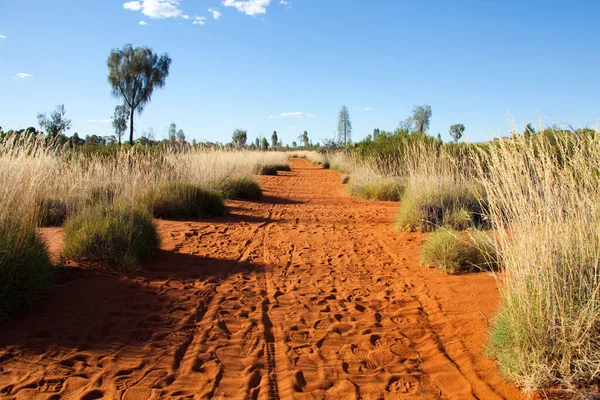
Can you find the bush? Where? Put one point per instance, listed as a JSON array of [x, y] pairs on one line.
[[270, 169], [451, 252], [25, 269], [430, 206], [182, 200], [384, 191], [115, 235], [244, 188], [54, 211]]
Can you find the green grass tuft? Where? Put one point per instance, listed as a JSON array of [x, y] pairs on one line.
[[114, 235], [270, 169], [25, 269], [182, 200], [452, 252], [455, 206], [383, 191], [244, 188]]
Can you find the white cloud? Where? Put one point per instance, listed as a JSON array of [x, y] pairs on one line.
[[143, 23], [295, 114], [3, 37], [198, 20], [23, 75], [215, 12], [286, 3], [133, 5], [363, 108], [249, 7], [155, 8], [185, 16]]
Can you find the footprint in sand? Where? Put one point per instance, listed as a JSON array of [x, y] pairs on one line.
[[404, 384]]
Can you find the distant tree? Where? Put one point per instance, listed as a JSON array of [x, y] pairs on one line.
[[344, 126], [172, 132], [56, 123], [75, 140], [119, 121], [294, 144], [529, 130], [274, 140], [239, 138], [134, 74], [376, 133], [181, 136], [456, 131], [422, 118], [407, 125], [257, 143], [264, 144], [304, 139]]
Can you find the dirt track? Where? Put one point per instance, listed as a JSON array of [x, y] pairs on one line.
[[307, 294]]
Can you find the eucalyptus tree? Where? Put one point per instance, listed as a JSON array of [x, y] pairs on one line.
[[119, 121], [134, 73], [456, 131], [422, 118], [56, 123], [344, 126], [274, 140]]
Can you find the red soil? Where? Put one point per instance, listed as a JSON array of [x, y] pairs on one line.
[[307, 294]]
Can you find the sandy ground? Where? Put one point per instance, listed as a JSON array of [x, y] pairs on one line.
[[308, 294]]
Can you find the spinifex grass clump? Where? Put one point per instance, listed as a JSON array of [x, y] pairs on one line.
[[437, 202], [244, 188], [118, 236], [439, 191], [546, 214], [452, 252], [25, 270], [270, 169], [182, 200], [385, 190]]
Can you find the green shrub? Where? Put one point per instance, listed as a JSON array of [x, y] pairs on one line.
[[25, 269], [244, 188], [115, 235], [270, 169], [451, 252], [54, 211], [384, 191], [427, 207], [182, 200]]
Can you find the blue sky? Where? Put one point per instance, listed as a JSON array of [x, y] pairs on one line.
[[289, 65]]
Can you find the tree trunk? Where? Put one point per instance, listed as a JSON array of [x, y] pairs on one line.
[[131, 127]]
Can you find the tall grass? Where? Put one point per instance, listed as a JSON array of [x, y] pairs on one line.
[[544, 201], [440, 190]]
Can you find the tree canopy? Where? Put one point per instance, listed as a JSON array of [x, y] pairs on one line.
[[56, 123], [421, 118], [456, 131], [344, 126], [134, 73], [239, 137]]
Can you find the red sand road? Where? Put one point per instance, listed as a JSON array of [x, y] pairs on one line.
[[308, 294]]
